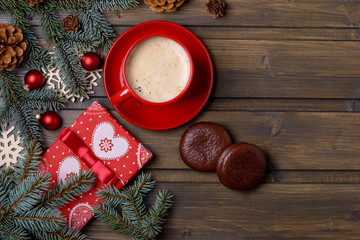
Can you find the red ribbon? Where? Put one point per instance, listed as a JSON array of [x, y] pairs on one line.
[[76, 145]]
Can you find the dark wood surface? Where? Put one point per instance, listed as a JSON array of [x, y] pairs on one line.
[[287, 78]]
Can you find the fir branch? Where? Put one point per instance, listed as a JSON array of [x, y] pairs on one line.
[[133, 220], [5, 115], [52, 29], [40, 219], [12, 233], [10, 88], [111, 196], [36, 56], [81, 41], [114, 5], [71, 5], [65, 234], [134, 207], [44, 99], [29, 162], [6, 185], [21, 191], [144, 184], [118, 223], [95, 32], [27, 194], [13, 93], [65, 193], [158, 213], [97, 27], [70, 70], [26, 124]]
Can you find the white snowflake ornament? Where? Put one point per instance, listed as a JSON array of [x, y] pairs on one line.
[[53, 81], [10, 147]]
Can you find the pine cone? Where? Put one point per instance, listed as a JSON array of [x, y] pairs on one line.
[[164, 5], [216, 8], [33, 2], [12, 47], [71, 23]]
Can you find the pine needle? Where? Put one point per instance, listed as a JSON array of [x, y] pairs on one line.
[[133, 220], [29, 207], [95, 32]]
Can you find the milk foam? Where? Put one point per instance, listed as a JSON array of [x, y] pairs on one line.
[[157, 69]]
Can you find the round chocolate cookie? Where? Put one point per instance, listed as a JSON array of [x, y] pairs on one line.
[[241, 166], [202, 144]]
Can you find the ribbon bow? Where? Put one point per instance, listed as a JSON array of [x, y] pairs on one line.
[[76, 145]]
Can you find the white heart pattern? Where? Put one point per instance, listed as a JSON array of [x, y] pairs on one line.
[[142, 155], [68, 167], [80, 215], [106, 145]]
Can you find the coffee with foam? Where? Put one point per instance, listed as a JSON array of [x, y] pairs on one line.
[[158, 69]]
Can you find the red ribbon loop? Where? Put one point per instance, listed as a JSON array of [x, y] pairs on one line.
[[76, 145]]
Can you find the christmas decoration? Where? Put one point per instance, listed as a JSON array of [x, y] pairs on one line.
[[164, 5], [34, 79], [10, 147], [95, 32], [90, 61], [33, 2], [216, 8], [13, 47], [53, 81], [68, 47], [98, 142], [18, 104], [71, 23], [29, 201], [49, 120], [133, 219]]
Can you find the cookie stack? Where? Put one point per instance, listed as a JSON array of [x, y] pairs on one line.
[[207, 146]]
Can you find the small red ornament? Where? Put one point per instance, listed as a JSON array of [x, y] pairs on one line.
[[90, 61], [49, 120], [34, 79]]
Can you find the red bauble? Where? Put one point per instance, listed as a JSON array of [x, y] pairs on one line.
[[34, 79], [49, 120], [90, 61]]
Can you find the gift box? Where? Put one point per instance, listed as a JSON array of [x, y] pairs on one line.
[[97, 142]]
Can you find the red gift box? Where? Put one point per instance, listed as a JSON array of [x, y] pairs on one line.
[[97, 142]]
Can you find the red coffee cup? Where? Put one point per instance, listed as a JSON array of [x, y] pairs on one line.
[[126, 92]]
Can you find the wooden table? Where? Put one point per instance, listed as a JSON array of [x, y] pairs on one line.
[[287, 78]]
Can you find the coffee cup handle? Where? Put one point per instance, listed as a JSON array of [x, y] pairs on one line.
[[121, 96]]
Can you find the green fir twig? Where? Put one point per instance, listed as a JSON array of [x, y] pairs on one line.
[[133, 219], [29, 208], [95, 32]]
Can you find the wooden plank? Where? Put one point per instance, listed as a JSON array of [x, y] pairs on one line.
[[256, 33], [357, 106], [298, 105], [276, 13], [273, 176], [272, 211], [283, 69], [247, 104], [291, 140], [270, 13], [291, 69]]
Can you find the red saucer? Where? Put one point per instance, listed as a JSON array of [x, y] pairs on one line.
[[171, 115]]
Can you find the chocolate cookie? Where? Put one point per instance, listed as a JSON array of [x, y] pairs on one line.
[[202, 144], [241, 166]]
